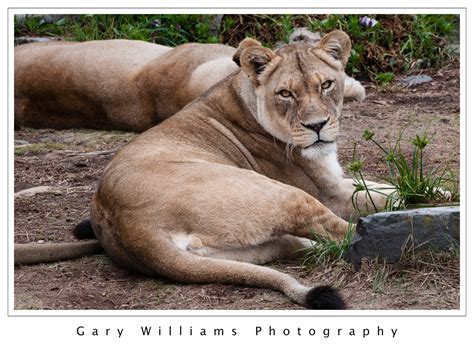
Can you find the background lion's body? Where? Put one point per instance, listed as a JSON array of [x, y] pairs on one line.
[[70, 85], [115, 84]]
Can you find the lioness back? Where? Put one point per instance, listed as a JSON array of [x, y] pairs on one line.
[[184, 73]]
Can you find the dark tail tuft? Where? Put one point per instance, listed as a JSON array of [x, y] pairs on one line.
[[324, 297], [84, 230]]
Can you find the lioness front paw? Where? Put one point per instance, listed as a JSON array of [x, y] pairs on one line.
[[340, 229]]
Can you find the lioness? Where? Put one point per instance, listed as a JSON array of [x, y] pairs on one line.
[[116, 84], [244, 175]]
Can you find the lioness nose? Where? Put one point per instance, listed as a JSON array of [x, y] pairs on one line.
[[316, 126]]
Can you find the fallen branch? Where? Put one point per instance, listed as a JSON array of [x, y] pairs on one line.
[[93, 153], [50, 189]]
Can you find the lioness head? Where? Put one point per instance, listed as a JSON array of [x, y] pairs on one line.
[[299, 90]]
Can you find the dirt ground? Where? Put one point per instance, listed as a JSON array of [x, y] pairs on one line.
[[71, 161]]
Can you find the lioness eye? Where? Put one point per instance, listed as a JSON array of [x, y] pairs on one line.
[[326, 85], [285, 93]]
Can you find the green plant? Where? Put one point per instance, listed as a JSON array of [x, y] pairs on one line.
[[398, 43], [164, 29], [381, 275], [413, 184], [384, 78], [359, 182], [325, 249]]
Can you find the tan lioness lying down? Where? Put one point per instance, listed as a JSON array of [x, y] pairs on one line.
[[116, 84]]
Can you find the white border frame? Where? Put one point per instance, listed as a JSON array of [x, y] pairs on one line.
[[242, 313]]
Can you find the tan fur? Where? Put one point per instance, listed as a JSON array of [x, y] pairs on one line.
[[236, 178], [114, 84], [33, 253]]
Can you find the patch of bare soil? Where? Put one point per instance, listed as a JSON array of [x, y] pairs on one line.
[[72, 161]]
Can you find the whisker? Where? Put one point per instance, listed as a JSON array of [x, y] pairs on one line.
[[289, 148]]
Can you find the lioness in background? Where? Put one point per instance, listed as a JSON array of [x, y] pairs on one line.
[[244, 175], [117, 84]]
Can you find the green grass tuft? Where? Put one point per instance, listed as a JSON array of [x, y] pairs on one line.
[[414, 184], [38, 148], [326, 250], [380, 278]]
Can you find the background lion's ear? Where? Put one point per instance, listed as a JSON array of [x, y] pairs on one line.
[[246, 43], [337, 44], [304, 35]]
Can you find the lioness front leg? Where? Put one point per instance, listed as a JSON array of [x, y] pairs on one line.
[[314, 218], [350, 204]]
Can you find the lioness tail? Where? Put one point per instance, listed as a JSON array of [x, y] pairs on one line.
[[35, 253]]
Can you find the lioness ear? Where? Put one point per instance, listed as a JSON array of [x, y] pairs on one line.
[[253, 58], [246, 43], [337, 44]]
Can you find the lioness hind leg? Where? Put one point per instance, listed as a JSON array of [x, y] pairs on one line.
[[280, 248], [237, 208], [221, 207]]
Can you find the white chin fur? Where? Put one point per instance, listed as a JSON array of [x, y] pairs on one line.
[[316, 152], [326, 161]]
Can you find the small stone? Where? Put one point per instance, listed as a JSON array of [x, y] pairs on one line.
[[19, 142], [386, 235], [81, 164], [414, 80]]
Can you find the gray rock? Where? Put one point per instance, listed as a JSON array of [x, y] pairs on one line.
[[387, 235], [25, 40], [414, 80], [454, 48]]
